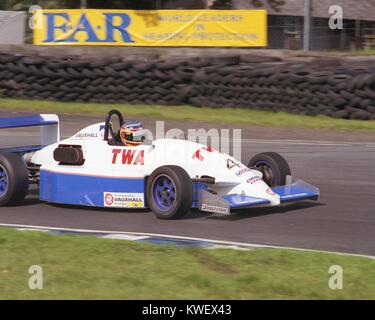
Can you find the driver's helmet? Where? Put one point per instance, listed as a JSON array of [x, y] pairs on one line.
[[132, 133]]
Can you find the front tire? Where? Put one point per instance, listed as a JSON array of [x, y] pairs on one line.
[[169, 192], [274, 167], [14, 179]]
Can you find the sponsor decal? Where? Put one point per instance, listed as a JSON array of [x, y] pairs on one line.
[[197, 154], [253, 180], [209, 149], [128, 156], [87, 135], [242, 171], [108, 199], [270, 192], [123, 200], [231, 164], [215, 209]]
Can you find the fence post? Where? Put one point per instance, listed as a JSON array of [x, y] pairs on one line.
[[307, 25]]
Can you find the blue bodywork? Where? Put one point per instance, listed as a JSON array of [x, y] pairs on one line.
[[240, 200], [88, 190], [24, 149], [299, 190], [29, 121], [84, 190]]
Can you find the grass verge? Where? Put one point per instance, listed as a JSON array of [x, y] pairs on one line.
[[359, 52], [224, 115], [76, 267]]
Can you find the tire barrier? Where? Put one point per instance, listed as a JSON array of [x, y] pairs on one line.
[[322, 86], [307, 88]]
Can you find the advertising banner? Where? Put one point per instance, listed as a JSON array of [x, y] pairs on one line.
[[228, 28]]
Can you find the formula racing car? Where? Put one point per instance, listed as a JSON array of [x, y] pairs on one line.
[[169, 176]]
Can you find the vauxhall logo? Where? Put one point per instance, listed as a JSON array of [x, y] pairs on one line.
[[112, 23]]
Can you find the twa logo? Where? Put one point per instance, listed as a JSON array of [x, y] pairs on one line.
[[197, 154], [127, 156]]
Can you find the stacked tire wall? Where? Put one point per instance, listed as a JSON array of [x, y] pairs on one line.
[[327, 86]]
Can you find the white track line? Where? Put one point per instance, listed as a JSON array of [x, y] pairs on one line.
[[144, 234], [304, 142]]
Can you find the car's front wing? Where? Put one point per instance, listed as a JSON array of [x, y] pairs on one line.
[[296, 191]]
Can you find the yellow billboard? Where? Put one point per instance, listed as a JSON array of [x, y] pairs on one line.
[[229, 28]]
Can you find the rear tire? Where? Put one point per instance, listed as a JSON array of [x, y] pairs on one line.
[[169, 192], [14, 179], [274, 167]]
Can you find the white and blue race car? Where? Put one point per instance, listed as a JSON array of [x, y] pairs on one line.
[[169, 176]]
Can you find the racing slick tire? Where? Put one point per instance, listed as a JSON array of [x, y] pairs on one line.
[[14, 179], [274, 167], [169, 192]]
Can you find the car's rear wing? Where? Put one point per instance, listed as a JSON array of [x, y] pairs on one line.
[[49, 130]]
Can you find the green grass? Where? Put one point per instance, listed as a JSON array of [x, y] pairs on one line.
[[76, 267], [359, 52], [225, 115]]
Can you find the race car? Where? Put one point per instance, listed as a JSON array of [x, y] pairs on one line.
[[169, 176]]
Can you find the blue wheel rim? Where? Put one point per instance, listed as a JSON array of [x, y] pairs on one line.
[[266, 168], [3, 181], [164, 192]]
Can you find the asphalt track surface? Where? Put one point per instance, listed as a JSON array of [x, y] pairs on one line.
[[343, 219]]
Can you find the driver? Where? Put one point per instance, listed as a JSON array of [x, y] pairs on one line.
[[132, 133]]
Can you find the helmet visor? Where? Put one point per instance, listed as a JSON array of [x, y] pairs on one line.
[[136, 136]]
